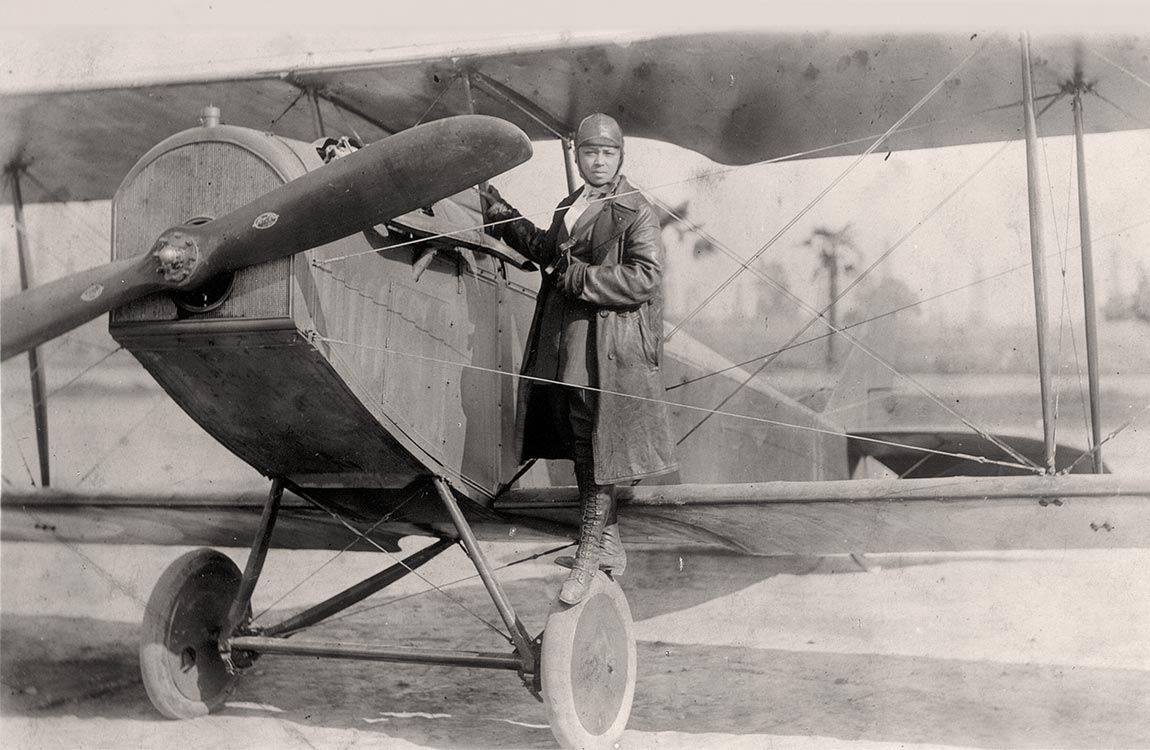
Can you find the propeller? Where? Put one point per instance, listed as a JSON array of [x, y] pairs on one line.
[[379, 182]]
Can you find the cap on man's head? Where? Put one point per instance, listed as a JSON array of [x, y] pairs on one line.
[[599, 130]]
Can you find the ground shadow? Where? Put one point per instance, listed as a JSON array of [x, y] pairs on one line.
[[887, 698], [87, 669]]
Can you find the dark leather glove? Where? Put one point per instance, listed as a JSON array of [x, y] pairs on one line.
[[494, 207]]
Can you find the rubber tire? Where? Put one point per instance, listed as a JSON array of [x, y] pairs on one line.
[[180, 663], [586, 695]]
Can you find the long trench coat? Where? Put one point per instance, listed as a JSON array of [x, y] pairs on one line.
[[623, 280]]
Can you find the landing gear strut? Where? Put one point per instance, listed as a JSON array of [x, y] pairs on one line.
[[197, 633]]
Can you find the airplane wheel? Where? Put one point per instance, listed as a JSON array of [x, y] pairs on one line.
[[588, 666], [179, 657]]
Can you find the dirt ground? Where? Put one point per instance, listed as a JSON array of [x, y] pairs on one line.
[[1027, 650]]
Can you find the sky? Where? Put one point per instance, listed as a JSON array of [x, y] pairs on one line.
[[469, 16]]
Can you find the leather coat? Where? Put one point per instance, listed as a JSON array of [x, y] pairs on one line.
[[623, 280]]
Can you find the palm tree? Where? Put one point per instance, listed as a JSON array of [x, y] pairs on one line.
[[676, 217], [832, 246]]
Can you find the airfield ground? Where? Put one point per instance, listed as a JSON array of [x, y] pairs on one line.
[[1026, 649]]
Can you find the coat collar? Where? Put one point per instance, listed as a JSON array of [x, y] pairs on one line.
[[623, 194], [627, 196]]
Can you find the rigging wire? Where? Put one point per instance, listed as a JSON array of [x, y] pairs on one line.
[[904, 307], [603, 391], [1132, 116], [1130, 73], [351, 287], [106, 575], [1055, 98], [363, 534], [795, 156], [894, 311], [820, 313], [901, 240], [1065, 319], [410, 569], [139, 422], [50, 394], [288, 108], [682, 181], [457, 581], [60, 198], [73, 379], [915, 465], [24, 460], [1010, 270], [818, 316], [745, 266], [339, 110], [484, 80], [871, 319], [329, 561], [1062, 312], [1070, 185], [435, 101], [858, 160], [1105, 440]]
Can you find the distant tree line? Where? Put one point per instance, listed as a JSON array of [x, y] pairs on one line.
[[1133, 306]]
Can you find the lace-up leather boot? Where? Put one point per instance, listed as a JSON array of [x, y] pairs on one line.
[[612, 556], [596, 505]]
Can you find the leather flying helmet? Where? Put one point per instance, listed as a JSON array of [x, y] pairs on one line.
[[599, 130]]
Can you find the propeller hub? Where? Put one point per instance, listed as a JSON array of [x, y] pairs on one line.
[[177, 256]]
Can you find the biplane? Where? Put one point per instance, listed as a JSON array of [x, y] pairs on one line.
[[349, 330]]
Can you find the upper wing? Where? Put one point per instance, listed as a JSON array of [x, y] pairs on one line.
[[738, 98]]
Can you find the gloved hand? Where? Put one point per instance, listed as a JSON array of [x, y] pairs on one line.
[[494, 207]]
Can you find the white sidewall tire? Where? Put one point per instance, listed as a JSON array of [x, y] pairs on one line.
[[588, 702], [183, 674]]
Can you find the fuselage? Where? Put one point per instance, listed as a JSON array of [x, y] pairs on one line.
[[367, 364]]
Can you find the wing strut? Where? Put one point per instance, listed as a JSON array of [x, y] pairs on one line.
[[471, 110], [35, 366], [569, 164], [1087, 275], [1038, 257], [554, 125], [316, 114]]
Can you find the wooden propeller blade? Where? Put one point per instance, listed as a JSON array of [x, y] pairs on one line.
[[32, 317], [379, 182]]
